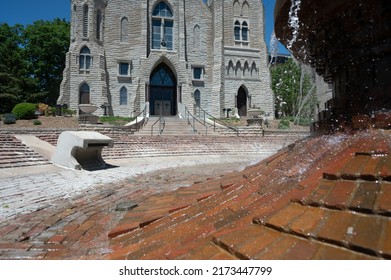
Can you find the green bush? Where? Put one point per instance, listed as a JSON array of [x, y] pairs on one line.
[[9, 118], [68, 112], [37, 122], [284, 124], [25, 111]]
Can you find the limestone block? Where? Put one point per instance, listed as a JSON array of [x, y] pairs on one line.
[[81, 149]]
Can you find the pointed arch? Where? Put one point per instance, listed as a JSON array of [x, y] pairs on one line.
[[237, 8], [244, 31], [241, 101], [123, 96], [124, 30], [197, 98], [196, 38], [162, 91], [85, 59], [162, 26], [246, 9], [84, 93], [230, 68], [238, 69], [254, 70], [246, 70], [237, 28]]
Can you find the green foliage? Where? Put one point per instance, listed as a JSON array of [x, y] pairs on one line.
[[294, 89], [46, 43], [284, 124], [25, 111], [37, 122], [68, 112], [9, 119], [115, 120], [32, 59]]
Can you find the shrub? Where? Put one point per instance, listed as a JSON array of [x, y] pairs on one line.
[[68, 112], [37, 122], [25, 111], [9, 118], [284, 124]]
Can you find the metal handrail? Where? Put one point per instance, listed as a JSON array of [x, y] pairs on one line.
[[206, 114], [144, 120], [162, 125], [188, 115], [236, 129]]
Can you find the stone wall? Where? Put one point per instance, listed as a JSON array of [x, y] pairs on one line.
[[203, 38]]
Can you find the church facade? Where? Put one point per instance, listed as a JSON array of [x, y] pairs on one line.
[[167, 54]]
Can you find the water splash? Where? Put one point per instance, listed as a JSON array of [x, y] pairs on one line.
[[293, 21], [273, 48]]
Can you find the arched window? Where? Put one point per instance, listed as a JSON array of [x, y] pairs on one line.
[[162, 27], [244, 31], [241, 33], [84, 94], [85, 59], [196, 38], [124, 29], [99, 25], [85, 21], [237, 31], [123, 96], [197, 98]]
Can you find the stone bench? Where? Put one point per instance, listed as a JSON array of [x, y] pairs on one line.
[[81, 150]]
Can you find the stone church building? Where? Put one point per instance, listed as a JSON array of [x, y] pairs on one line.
[[169, 54]]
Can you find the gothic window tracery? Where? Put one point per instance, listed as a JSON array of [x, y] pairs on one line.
[[124, 29], [85, 59], [123, 96], [162, 26]]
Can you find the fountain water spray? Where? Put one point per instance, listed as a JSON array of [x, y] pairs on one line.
[[293, 21]]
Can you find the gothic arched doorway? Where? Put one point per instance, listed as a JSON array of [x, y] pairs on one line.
[[241, 101], [163, 91], [84, 94]]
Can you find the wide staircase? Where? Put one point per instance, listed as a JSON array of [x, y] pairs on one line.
[[174, 126], [14, 153]]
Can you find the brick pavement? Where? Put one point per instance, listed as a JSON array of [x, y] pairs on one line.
[[67, 214]]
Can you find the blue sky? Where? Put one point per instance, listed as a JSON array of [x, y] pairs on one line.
[[27, 11]]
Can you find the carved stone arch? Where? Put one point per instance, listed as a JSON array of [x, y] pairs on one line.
[[84, 93], [245, 9], [246, 70], [230, 68], [124, 29], [237, 8], [123, 96], [254, 69], [242, 100], [197, 38], [238, 69]]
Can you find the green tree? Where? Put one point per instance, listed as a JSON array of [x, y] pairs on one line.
[[46, 43], [294, 89], [15, 82]]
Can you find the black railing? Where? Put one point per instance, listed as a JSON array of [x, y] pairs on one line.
[[192, 120], [203, 115], [162, 125]]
